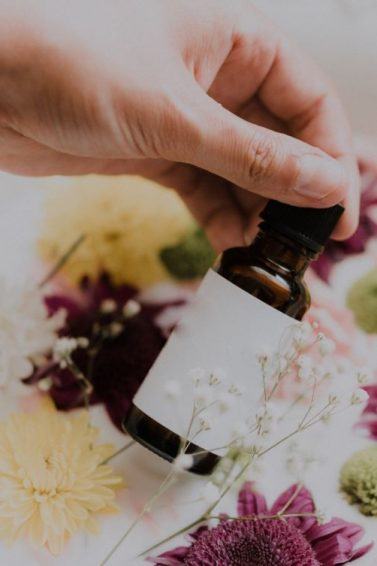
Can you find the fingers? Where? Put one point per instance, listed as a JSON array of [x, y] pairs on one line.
[[211, 201], [296, 92], [262, 161]]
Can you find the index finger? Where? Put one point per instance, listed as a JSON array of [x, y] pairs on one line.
[[297, 92]]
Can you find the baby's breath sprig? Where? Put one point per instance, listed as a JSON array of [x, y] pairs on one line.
[[300, 360]]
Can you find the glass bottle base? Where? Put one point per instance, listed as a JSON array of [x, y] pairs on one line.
[[164, 443]]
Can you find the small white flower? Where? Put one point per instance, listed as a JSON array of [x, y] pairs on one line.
[[82, 342], [203, 396], [116, 328], [359, 396], [283, 363], [263, 355], [364, 376], [266, 418], [197, 375], [45, 384], [218, 477], [217, 376], [205, 424], [183, 462], [333, 399], [255, 449], [305, 366], [26, 330], [303, 335], [209, 493], [64, 347], [131, 308], [323, 516], [173, 389], [108, 306], [326, 417], [234, 390], [326, 346]]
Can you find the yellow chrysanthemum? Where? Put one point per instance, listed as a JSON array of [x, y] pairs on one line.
[[128, 222], [52, 480]]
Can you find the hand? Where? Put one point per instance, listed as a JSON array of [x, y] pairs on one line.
[[205, 96]]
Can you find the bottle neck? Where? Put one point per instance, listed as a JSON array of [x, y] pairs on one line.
[[283, 254]]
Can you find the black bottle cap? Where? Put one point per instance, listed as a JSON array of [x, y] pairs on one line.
[[311, 227]]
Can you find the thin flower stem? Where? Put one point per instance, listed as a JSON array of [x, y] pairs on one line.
[[62, 260], [163, 487], [86, 385], [311, 404], [317, 417], [228, 487], [172, 536], [291, 499], [282, 374], [120, 451], [207, 514]]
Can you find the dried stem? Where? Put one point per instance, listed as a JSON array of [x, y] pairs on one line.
[[62, 260]]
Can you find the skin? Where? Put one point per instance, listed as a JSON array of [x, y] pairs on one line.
[[204, 96]]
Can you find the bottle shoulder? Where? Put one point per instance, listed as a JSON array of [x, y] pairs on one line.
[[278, 288]]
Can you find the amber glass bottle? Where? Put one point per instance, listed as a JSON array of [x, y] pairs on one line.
[[271, 269]]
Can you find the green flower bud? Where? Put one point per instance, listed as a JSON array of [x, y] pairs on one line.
[[358, 480], [190, 258], [362, 300]]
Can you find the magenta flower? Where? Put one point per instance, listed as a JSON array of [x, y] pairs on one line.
[[368, 420], [116, 364], [367, 229], [258, 538]]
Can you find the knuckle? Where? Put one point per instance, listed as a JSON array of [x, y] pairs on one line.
[[261, 160]]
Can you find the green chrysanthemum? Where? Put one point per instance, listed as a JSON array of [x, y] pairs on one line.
[[190, 258], [358, 479], [362, 300]]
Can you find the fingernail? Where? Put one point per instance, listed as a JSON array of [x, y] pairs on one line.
[[319, 177]]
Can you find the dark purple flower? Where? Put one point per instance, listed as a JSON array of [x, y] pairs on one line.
[[121, 349], [252, 542], [356, 244], [258, 538], [368, 420]]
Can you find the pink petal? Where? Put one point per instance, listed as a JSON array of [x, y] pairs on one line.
[[250, 502], [336, 526], [301, 503], [173, 557], [334, 542], [362, 551], [333, 550]]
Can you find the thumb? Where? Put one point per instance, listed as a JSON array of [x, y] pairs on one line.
[[265, 162]]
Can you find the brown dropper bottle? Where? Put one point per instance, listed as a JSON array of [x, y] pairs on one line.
[[270, 269]]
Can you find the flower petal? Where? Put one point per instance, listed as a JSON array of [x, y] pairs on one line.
[[250, 502]]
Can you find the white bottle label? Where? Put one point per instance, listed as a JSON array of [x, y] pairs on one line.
[[223, 334]]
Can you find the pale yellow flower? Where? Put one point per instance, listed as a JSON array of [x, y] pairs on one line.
[[52, 480], [127, 221]]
